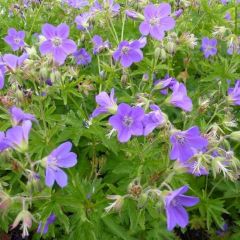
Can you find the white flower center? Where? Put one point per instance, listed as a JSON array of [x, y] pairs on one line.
[[57, 41], [125, 50]]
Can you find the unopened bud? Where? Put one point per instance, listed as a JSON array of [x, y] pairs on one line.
[[171, 47], [55, 76], [157, 53], [235, 136]]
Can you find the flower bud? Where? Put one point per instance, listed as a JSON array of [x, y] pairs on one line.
[[43, 73], [235, 136], [31, 52], [157, 53], [145, 77], [55, 76], [142, 200], [163, 54], [171, 47]]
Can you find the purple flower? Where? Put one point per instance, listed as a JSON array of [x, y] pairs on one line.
[[224, 2], [179, 97], [2, 76], [228, 16], [3, 142], [164, 84], [59, 158], [57, 42], [193, 168], [186, 143], [99, 44], [132, 14], [128, 53], [157, 20], [96, 7], [107, 104], [15, 39], [178, 13], [18, 116], [82, 57], [17, 137], [209, 47], [82, 21], [234, 94], [153, 119], [12, 62], [127, 121], [111, 6], [175, 202], [43, 229], [77, 3]]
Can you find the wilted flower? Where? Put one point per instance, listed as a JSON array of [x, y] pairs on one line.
[[26, 218], [209, 47], [18, 116], [157, 20], [59, 158], [107, 104], [220, 164], [127, 121], [43, 229], [153, 119], [116, 205], [57, 43], [234, 94], [99, 44], [180, 98], [186, 144], [220, 31], [82, 57], [175, 202], [17, 137], [15, 39], [128, 53], [189, 39]]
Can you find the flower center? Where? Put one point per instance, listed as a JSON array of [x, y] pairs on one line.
[[180, 139], [52, 162], [154, 21], [17, 40], [127, 121], [209, 48], [176, 202], [125, 50], [57, 41]]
